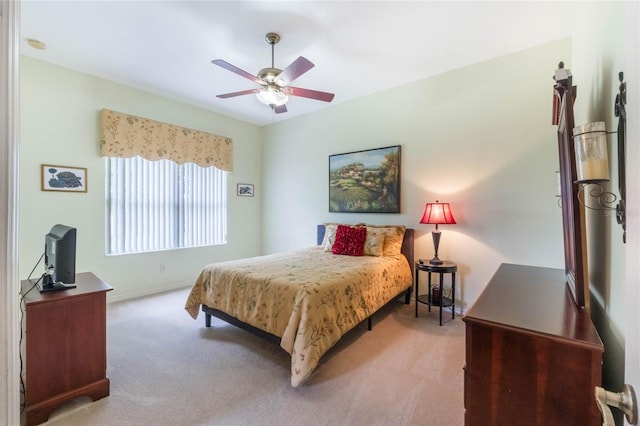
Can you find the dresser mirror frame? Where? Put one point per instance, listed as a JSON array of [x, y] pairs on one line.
[[572, 214]]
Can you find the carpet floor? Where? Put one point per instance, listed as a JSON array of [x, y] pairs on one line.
[[167, 369]]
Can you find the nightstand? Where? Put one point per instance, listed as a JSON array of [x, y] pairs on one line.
[[66, 345], [430, 299]]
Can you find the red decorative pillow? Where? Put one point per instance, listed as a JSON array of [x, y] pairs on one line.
[[350, 240]]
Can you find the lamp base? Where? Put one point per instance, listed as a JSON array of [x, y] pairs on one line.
[[436, 242]]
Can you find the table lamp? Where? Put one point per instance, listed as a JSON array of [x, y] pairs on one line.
[[437, 214]]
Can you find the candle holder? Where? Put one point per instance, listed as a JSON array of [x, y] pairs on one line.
[[435, 295], [605, 200], [592, 164]]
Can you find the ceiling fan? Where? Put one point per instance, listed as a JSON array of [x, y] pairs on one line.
[[274, 90]]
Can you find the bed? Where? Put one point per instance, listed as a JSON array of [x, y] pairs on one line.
[[307, 299]]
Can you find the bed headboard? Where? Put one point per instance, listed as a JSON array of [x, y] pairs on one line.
[[407, 243]]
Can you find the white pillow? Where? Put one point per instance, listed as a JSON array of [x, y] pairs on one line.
[[329, 236]]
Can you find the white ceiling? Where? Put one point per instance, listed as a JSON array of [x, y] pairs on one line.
[[358, 47]]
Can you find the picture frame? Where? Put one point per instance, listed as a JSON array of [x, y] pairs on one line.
[[245, 190], [63, 178], [365, 181]]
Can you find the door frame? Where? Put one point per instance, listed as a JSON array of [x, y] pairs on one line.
[[9, 283], [632, 258]]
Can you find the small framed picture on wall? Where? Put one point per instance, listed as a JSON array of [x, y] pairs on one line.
[[63, 178], [245, 190]]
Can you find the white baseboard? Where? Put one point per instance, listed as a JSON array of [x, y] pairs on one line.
[[113, 297]]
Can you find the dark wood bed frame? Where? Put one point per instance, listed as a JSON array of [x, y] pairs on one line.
[[407, 251]]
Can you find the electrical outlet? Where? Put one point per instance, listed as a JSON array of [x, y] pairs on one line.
[[162, 268]]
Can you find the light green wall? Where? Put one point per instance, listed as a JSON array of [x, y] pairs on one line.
[[479, 137], [597, 58], [59, 125]]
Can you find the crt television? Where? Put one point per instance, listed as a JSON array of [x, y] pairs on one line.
[[59, 258]]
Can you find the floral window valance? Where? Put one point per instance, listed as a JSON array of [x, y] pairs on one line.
[[124, 135]]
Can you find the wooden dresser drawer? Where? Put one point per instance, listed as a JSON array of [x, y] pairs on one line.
[[532, 356]]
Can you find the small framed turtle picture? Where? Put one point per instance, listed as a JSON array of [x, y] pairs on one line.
[[245, 190], [63, 178]]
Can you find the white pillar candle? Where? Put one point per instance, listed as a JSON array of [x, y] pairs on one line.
[[593, 169], [592, 163]]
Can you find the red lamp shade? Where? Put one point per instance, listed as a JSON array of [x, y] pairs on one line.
[[437, 214]]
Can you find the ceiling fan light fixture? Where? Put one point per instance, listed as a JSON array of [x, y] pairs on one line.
[[275, 91], [272, 96]]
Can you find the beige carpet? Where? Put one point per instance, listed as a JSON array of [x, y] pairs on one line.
[[167, 369]]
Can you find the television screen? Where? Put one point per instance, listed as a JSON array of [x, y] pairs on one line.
[[59, 258]]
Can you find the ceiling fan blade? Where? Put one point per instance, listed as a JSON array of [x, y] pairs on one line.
[[226, 65], [294, 70], [308, 93], [280, 109], [243, 92]]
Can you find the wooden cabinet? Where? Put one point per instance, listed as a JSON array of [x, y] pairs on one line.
[[532, 356], [66, 354]]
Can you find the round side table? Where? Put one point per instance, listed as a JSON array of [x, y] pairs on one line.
[[447, 267]]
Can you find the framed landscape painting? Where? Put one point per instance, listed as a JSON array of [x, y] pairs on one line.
[[365, 181]]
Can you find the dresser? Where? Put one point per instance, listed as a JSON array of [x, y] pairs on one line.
[[66, 353], [532, 356]]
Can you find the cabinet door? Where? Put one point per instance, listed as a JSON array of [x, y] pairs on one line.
[[65, 345]]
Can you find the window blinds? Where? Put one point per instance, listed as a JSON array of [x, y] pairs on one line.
[[160, 205]]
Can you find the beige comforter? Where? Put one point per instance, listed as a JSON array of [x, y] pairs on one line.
[[308, 297]]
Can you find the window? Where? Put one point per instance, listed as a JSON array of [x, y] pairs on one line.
[[162, 205]]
